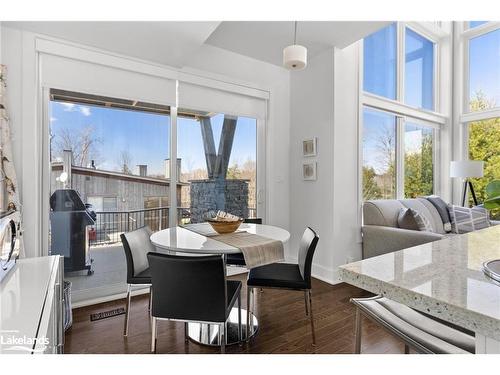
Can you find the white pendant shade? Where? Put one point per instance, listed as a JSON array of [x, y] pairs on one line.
[[295, 57]]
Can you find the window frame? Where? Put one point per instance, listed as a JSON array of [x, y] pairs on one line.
[[435, 119]]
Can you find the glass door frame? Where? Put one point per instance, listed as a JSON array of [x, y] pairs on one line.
[[261, 165]]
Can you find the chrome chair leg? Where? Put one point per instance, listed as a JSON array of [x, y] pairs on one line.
[[249, 308], [222, 329], [357, 333], [239, 321], [306, 302], [312, 317], [150, 298], [127, 311], [407, 349], [153, 334], [186, 332]]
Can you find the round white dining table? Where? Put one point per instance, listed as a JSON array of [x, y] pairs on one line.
[[196, 239], [188, 239]]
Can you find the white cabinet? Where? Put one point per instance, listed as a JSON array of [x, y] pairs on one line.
[[31, 307]]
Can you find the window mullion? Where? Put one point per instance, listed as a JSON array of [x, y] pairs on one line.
[[400, 62], [400, 123]]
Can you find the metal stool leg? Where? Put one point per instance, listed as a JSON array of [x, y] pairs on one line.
[[186, 332], [407, 349], [357, 333], [127, 311]]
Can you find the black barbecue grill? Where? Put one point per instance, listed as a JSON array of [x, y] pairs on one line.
[[69, 219]]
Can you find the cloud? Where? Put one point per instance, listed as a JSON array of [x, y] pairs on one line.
[[53, 119], [68, 107], [71, 107], [84, 110]]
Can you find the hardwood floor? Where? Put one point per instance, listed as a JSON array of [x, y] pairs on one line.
[[284, 328]]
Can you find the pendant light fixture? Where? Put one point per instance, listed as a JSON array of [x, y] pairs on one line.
[[295, 56]]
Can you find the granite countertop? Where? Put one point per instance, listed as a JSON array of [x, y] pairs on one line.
[[442, 278]]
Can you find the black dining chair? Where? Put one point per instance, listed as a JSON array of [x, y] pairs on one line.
[[137, 245], [238, 259], [287, 276], [193, 289]]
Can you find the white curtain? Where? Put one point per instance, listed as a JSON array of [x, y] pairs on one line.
[[9, 198], [204, 98]]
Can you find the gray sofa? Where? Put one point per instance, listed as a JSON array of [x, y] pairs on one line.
[[381, 233]]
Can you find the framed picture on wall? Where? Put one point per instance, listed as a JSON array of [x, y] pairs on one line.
[[309, 147], [309, 170]]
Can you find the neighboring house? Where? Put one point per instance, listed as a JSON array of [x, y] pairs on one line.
[[115, 191]]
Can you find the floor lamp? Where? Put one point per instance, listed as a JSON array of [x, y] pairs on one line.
[[467, 169]]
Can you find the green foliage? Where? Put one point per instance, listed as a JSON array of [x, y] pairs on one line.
[[370, 187], [493, 195], [419, 169], [484, 144]]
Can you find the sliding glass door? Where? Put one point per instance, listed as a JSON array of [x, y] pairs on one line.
[[217, 164]]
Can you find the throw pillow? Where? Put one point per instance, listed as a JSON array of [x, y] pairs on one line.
[[442, 209], [410, 219], [465, 219]]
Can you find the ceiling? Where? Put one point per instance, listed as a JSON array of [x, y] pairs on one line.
[[175, 42], [171, 43], [265, 40]]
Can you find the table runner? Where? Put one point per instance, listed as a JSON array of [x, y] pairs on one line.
[[257, 250]]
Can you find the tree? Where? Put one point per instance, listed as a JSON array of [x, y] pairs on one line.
[[125, 162], [83, 144], [418, 167], [484, 144], [370, 188]]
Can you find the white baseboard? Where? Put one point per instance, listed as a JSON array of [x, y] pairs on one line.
[[328, 275]]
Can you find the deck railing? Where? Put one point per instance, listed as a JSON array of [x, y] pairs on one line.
[[110, 224]]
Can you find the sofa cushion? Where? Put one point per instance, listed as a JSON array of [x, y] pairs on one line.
[[422, 209], [382, 212], [464, 219]]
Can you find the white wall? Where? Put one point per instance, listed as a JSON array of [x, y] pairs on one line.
[[324, 104], [311, 202], [18, 51]]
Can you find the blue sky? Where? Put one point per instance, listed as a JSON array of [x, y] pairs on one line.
[[146, 136]]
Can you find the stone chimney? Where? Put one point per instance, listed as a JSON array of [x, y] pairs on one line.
[[143, 170]]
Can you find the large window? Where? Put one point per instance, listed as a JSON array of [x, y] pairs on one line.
[[419, 71], [219, 163], [379, 155], [484, 71], [399, 134], [418, 160], [479, 45], [380, 62]]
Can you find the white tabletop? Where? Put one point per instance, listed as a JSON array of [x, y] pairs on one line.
[[442, 278], [187, 241]]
